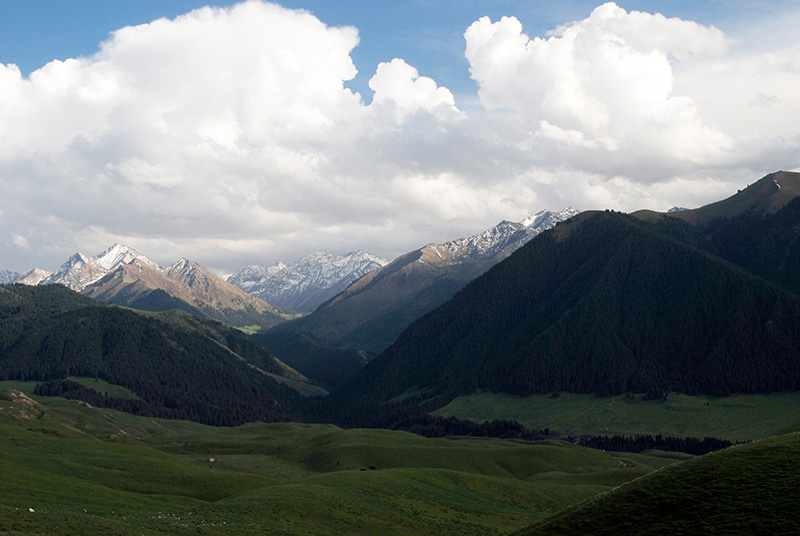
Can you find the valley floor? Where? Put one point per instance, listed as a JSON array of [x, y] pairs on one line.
[[68, 468]]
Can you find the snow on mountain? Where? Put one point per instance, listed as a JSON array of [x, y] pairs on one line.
[[254, 274], [308, 282], [81, 271], [119, 254], [502, 239], [372, 311], [33, 277], [7, 277]]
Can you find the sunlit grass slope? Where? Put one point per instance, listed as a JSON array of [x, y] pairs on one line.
[[68, 468]]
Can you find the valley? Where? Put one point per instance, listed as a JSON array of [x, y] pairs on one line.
[[62, 466], [449, 391]]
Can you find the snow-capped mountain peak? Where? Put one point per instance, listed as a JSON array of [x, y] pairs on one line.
[[33, 277], [81, 271], [307, 282], [7, 277], [119, 254], [504, 238]]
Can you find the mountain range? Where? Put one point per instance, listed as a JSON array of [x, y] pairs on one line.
[[123, 276], [375, 309], [307, 283]]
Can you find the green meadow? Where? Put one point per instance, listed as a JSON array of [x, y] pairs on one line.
[[736, 418], [68, 468]]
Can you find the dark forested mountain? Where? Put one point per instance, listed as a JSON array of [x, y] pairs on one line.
[[178, 366], [610, 303]]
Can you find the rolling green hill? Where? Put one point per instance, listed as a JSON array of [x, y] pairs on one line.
[[748, 489]]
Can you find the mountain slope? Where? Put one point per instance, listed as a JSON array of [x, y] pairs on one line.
[[179, 366], [374, 310], [604, 303], [308, 282]]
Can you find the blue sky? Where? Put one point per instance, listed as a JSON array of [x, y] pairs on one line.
[[233, 136], [426, 33]]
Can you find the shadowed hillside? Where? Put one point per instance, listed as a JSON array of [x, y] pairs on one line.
[[178, 366], [610, 303]]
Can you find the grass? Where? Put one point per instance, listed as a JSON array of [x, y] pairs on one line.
[[86, 470], [108, 389], [736, 418], [748, 489]]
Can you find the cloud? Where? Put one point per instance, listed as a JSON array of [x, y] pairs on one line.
[[227, 135], [399, 87], [602, 85]]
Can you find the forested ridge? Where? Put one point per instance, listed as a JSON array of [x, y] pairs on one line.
[[191, 368], [609, 303]]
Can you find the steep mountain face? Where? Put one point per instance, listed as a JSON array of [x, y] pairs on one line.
[[307, 283], [123, 276], [179, 366], [374, 310], [7, 277], [610, 303]]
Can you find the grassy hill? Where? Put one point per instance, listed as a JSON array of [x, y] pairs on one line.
[[748, 489]]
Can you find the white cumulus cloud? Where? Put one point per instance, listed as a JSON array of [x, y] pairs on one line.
[[228, 135]]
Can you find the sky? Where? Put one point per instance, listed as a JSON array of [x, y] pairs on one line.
[[246, 133]]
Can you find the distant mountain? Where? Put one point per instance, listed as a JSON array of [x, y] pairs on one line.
[[610, 303], [254, 274], [308, 282], [7, 276], [123, 276], [374, 310], [34, 276], [179, 366], [81, 271]]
